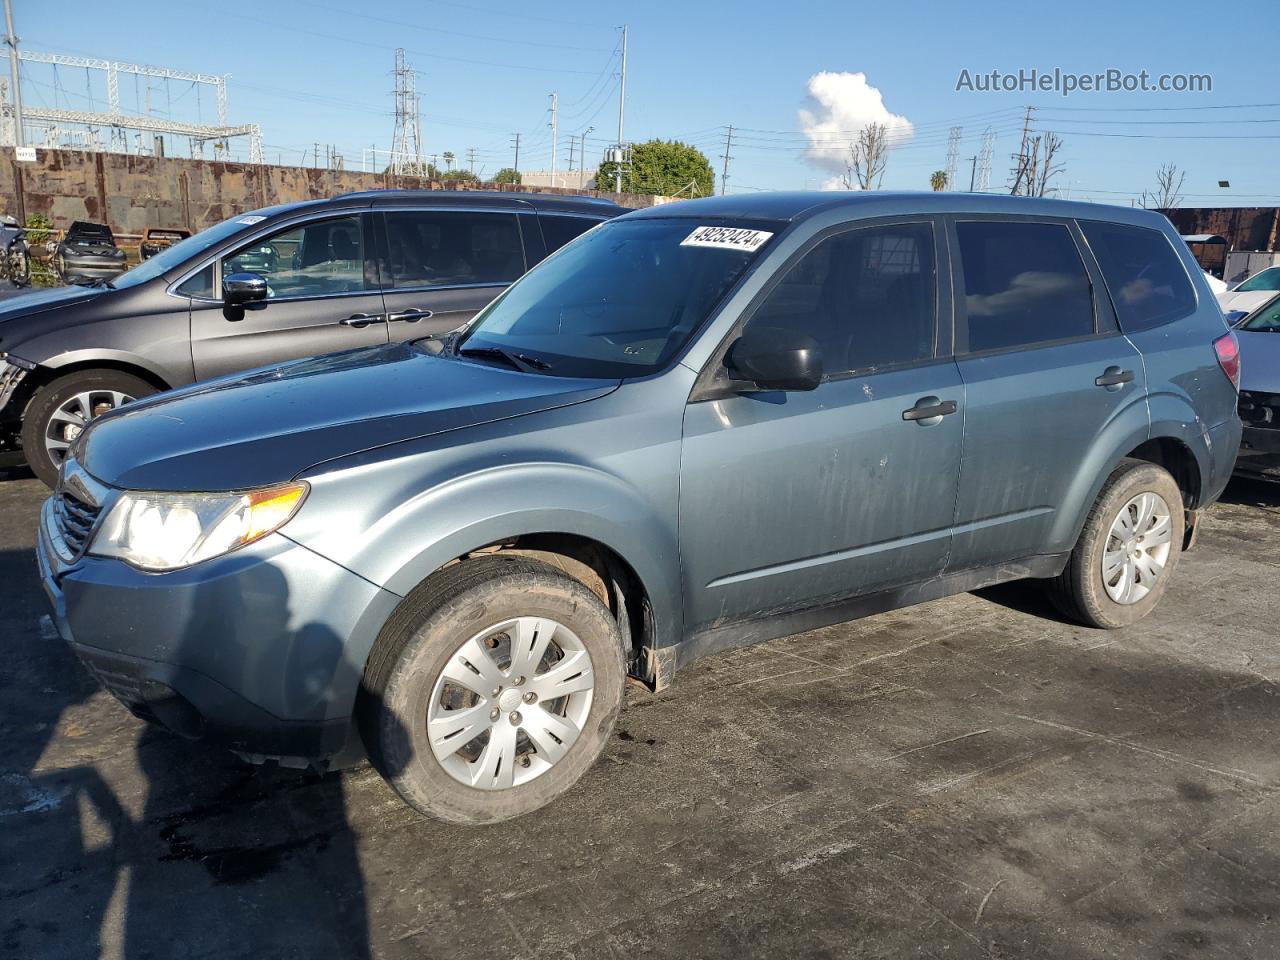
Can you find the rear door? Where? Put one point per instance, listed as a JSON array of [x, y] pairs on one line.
[[322, 297], [439, 267], [1045, 369]]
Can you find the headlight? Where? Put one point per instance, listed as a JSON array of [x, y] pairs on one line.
[[166, 531]]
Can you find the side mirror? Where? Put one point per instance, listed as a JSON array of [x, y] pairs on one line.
[[776, 358], [241, 288]]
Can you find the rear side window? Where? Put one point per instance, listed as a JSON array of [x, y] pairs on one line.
[[866, 297], [1148, 284], [1024, 284], [446, 248], [557, 230]]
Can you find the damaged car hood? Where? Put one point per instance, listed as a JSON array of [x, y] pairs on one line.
[[269, 425]]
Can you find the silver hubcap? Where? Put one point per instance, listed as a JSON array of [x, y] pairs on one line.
[[510, 703], [68, 421], [1137, 548]]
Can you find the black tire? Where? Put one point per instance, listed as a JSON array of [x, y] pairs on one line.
[[1079, 591], [418, 642], [37, 422]]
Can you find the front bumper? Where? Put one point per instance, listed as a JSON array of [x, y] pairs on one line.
[[260, 651]]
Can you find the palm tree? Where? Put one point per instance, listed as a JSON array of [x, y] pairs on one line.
[[448, 160], [938, 180]]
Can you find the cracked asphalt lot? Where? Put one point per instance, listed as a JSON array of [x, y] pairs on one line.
[[968, 778]]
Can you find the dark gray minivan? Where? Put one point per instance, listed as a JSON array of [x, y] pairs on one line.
[[274, 284], [694, 427]]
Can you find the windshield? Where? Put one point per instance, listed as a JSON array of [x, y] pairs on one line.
[[1268, 279], [620, 300], [1265, 319], [179, 253]]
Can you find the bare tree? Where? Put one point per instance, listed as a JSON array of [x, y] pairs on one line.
[[1035, 165], [1168, 192], [867, 158]]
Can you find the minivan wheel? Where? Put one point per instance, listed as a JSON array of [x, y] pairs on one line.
[[1127, 551], [60, 410], [493, 688]]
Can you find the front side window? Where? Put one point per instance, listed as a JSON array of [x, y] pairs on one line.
[[1024, 284], [618, 302], [866, 297], [444, 248], [320, 258], [1268, 279], [1148, 284]]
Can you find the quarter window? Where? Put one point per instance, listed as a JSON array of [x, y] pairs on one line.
[[866, 297], [439, 249], [1148, 284], [199, 284], [315, 259], [1024, 284]]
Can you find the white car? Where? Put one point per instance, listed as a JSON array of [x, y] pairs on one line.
[[1249, 295]]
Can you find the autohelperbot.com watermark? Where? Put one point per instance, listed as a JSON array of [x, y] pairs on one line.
[[1066, 82]]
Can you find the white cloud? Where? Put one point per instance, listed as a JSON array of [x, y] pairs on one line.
[[841, 104]]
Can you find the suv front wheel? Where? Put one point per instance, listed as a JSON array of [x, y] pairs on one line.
[[494, 687], [1127, 551], [61, 409]]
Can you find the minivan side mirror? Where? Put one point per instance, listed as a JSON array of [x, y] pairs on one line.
[[775, 358], [241, 288]]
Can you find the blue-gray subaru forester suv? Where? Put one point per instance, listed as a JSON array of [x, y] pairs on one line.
[[694, 427]]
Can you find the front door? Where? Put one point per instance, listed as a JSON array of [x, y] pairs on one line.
[[442, 266], [322, 296], [791, 500]]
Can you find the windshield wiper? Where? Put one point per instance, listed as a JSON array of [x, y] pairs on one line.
[[517, 361]]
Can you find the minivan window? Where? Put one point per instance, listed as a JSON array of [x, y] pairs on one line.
[[313, 259], [619, 302], [1024, 284], [199, 284], [445, 248], [866, 297], [559, 230], [1148, 284]]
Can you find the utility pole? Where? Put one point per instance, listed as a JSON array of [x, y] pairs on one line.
[[573, 143], [471, 158], [622, 110], [1023, 159], [517, 146], [728, 144], [11, 41], [555, 130], [582, 158], [973, 169]]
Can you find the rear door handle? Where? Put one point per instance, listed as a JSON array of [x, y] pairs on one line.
[[930, 410], [1113, 378], [412, 315], [362, 320]]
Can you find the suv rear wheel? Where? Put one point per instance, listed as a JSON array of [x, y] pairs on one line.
[[1127, 551], [495, 686], [61, 409]]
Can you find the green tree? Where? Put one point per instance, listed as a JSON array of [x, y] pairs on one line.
[[666, 167], [448, 160], [507, 175], [938, 180]]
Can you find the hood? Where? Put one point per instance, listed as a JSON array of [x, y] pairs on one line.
[[39, 301], [1259, 360], [269, 425], [1246, 300]]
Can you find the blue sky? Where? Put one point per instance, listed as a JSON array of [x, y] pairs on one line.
[[321, 71]]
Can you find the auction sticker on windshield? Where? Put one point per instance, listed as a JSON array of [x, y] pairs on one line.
[[727, 238]]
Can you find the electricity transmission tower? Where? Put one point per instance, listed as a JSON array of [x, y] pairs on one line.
[[406, 141], [953, 155], [984, 160]]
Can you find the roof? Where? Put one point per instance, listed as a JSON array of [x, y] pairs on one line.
[[486, 198], [1203, 238], [795, 206]]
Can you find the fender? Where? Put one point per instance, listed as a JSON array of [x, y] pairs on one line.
[[1173, 416], [111, 358]]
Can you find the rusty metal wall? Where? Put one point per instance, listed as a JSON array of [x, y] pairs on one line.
[[131, 193], [1244, 228]]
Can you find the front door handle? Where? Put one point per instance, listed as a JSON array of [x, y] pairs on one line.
[[362, 320], [1113, 378], [930, 410], [412, 315]]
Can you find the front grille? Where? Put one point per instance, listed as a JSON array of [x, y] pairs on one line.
[[74, 519], [1260, 409]]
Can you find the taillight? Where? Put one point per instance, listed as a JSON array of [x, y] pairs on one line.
[[1228, 350]]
